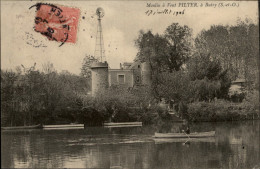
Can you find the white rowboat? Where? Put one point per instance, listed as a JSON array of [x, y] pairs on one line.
[[184, 135]]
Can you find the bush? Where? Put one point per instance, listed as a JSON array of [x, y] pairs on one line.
[[252, 100], [221, 110], [237, 97], [90, 117], [120, 104]]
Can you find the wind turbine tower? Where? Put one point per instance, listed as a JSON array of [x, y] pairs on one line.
[[100, 50]]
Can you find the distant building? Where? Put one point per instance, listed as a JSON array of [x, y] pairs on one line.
[[129, 75], [237, 86]]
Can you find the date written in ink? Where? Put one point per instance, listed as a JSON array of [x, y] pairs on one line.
[[151, 12]]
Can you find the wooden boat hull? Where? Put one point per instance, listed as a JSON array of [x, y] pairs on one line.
[[124, 124], [183, 135], [183, 140], [39, 126], [64, 126]]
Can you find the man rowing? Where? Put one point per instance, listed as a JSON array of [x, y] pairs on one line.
[[185, 127]]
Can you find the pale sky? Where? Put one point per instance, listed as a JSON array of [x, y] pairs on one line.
[[121, 24]]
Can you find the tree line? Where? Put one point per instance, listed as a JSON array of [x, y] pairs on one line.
[[30, 96], [201, 68]]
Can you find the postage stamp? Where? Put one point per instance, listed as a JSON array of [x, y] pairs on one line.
[[58, 23]]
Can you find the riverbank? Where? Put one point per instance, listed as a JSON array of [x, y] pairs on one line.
[[215, 111]]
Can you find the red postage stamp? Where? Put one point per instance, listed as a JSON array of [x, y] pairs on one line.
[[58, 23]]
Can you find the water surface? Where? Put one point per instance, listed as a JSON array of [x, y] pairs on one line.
[[236, 145]]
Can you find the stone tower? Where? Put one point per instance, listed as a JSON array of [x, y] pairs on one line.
[[146, 74], [99, 75]]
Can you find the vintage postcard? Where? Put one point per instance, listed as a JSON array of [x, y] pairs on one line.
[[130, 84]]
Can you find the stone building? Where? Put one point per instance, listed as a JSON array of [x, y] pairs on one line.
[[129, 75]]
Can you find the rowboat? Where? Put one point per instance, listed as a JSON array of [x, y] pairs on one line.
[[39, 126], [123, 124], [63, 126], [184, 135], [182, 140]]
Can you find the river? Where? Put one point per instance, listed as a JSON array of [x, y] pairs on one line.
[[236, 145]]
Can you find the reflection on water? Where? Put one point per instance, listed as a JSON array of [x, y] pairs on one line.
[[236, 145]]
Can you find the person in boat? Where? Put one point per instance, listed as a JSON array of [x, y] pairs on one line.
[[115, 111], [185, 127]]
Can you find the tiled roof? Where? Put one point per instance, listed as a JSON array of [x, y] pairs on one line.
[[239, 81]]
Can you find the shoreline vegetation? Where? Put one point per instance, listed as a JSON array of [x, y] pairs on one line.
[[222, 110], [190, 76]]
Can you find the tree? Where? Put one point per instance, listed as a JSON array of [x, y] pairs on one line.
[[174, 86], [118, 103], [167, 52], [252, 60], [32, 97], [208, 79], [48, 68], [8, 94], [202, 65], [34, 93], [164, 53], [71, 87], [236, 47], [86, 66], [180, 45], [214, 42]]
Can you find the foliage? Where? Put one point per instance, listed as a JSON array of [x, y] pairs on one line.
[[203, 90], [165, 52], [236, 47], [120, 103], [222, 110], [179, 40], [222, 54], [90, 117], [237, 97], [202, 65], [203, 80], [173, 86], [8, 79], [86, 65], [32, 97], [208, 79], [252, 101]]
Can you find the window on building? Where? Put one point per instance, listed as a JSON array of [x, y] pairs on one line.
[[137, 80], [121, 79]]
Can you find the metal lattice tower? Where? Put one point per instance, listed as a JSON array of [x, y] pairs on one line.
[[99, 49]]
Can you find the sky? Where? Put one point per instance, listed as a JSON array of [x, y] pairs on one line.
[[121, 25]]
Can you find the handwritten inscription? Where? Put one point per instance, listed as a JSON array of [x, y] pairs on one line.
[[164, 11], [56, 23]]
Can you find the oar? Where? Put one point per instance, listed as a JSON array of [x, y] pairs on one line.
[[186, 135]]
